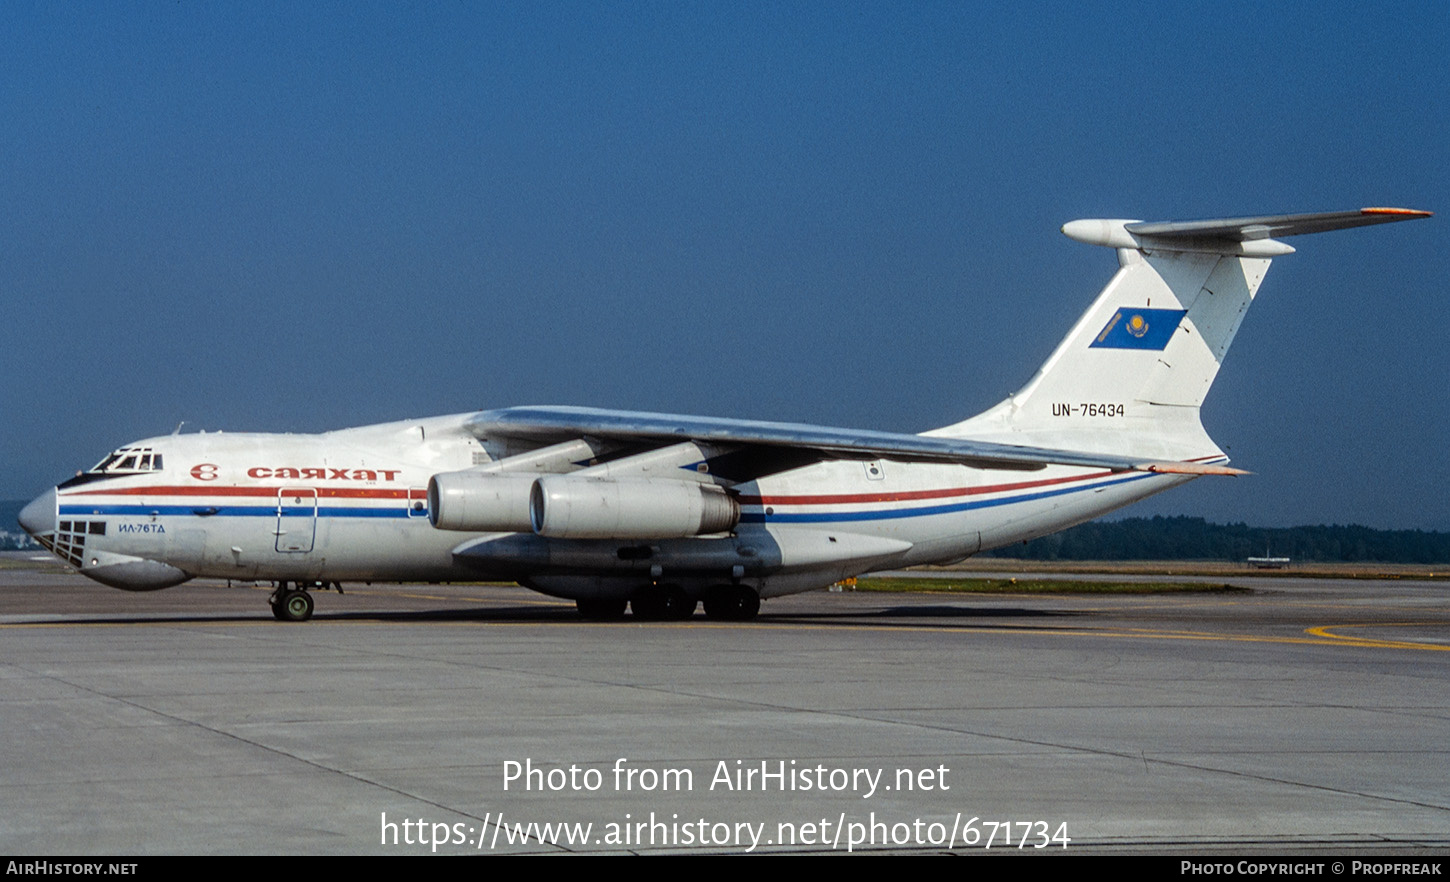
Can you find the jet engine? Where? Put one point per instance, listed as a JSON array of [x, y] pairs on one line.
[[480, 502], [571, 507]]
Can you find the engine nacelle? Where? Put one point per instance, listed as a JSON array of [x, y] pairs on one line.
[[568, 507], [479, 502]]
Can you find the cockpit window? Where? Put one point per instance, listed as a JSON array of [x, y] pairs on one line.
[[129, 460]]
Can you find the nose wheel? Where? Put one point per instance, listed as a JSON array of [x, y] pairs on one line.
[[291, 605]]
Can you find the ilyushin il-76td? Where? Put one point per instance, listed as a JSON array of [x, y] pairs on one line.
[[656, 513]]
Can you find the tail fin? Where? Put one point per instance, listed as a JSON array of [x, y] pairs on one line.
[[1130, 376]]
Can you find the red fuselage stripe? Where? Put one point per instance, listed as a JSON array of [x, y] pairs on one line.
[[204, 490]]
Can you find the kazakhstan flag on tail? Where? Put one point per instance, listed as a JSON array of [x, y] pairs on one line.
[[1135, 328]]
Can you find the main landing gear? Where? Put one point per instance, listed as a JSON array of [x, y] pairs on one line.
[[295, 604], [601, 609], [732, 603], [670, 603], [662, 603]]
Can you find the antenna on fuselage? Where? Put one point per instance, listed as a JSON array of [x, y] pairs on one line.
[[177, 430]]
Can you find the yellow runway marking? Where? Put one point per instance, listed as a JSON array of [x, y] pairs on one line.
[[1325, 632], [1319, 636]]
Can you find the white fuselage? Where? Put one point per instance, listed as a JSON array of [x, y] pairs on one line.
[[351, 505]]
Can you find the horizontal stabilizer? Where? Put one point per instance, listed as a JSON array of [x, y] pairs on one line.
[[1244, 229], [1248, 236]]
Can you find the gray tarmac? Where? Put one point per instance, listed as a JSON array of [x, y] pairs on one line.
[[1309, 716]]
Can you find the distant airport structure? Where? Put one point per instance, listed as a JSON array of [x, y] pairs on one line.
[[1268, 563]]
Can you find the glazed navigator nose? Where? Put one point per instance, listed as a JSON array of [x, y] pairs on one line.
[[39, 516]]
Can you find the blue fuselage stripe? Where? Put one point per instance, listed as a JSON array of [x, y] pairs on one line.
[[920, 511], [234, 511], [200, 508]]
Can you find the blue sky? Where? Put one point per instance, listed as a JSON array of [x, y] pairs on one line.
[[301, 217]]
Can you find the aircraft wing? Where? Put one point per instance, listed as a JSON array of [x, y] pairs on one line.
[[553, 424]]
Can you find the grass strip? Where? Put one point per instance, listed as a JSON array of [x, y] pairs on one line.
[[1040, 586]]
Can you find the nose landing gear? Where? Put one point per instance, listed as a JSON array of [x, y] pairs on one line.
[[294, 604], [291, 605]]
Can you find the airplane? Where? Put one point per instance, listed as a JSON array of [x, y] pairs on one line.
[[659, 512]]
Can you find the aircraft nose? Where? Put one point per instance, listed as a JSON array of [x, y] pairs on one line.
[[39, 516]]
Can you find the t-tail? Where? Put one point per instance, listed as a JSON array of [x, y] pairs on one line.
[[1130, 376]]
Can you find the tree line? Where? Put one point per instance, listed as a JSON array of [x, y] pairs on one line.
[[1185, 538]]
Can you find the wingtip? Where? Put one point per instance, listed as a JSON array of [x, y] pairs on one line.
[[1190, 468], [1399, 212]]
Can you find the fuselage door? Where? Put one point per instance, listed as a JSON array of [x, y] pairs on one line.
[[296, 519]]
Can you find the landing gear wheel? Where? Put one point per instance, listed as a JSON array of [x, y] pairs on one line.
[[601, 609], [293, 606], [682, 606], [648, 604], [662, 603], [732, 603]]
